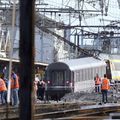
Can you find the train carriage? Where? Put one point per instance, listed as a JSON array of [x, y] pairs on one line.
[[115, 69], [73, 75]]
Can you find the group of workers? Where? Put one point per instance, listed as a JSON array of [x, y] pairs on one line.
[[102, 86], [39, 88], [14, 85]]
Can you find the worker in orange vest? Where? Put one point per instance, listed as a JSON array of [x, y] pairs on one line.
[[105, 86], [97, 83], [14, 89], [3, 91]]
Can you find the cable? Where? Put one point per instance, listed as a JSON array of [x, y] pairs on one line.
[[67, 3]]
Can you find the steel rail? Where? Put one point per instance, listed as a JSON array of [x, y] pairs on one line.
[[104, 110], [64, 111]]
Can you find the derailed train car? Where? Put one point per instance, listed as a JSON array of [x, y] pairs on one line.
[[72, 76]]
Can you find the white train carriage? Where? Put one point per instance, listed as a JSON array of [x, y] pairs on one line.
[[84, 70], [73, 75]]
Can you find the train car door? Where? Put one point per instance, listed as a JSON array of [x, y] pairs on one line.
[[57, 77]]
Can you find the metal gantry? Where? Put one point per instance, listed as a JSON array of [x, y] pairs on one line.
[[79, 12]]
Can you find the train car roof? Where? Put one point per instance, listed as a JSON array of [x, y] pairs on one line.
[[81, 63], [17, 61]]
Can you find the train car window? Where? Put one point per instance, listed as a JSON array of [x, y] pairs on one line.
[[77, 76], [94, 72], [58, 77], [83, 74], [87, 72], [74, 76], [80, 75], [89, 75]]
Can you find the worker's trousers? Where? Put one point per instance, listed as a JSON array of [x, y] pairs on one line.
[[104, 96], [98, 88], [14, 96]]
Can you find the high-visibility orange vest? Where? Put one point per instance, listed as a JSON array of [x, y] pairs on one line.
[[2, 85], [97, 80], [14, 83], [105, 84]]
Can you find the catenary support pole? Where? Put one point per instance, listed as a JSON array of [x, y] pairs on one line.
[[11, 51], [11, 55], [26, 54]]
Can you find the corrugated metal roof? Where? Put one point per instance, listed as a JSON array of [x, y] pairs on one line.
[[88, 62]]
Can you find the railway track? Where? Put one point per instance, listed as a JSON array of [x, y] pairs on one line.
[[13, 112], [65, 111], [94, 112]]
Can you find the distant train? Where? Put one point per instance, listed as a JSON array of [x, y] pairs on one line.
[[73, 75], [114, 65]]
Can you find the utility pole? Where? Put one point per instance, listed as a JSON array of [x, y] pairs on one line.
[[69, 33], [26, 54], [42, 39], [11, 51]]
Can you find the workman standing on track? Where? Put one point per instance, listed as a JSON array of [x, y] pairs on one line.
[[97, 83], [104, 88], [14, 89]]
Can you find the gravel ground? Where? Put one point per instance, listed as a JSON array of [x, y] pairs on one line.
[[90, 97]]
